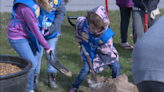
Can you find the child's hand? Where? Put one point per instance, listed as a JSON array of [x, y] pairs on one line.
[[90, 70], [48, 51]]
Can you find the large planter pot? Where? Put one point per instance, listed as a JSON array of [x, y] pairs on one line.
[[15, 82]]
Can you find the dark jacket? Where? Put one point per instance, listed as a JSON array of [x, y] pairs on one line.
[[150, 4]]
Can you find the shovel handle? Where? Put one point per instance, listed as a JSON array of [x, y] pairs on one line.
[[72, 17], [84, 50], [89, 62], [51, 56]]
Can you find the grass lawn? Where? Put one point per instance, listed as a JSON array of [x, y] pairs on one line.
[[68, 52]]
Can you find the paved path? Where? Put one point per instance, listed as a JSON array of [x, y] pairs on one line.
[[74, 5]]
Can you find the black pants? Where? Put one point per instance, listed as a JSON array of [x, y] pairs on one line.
[[125, 18], [150, 86]]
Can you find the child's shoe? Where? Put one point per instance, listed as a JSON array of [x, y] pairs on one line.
[[72, 89]]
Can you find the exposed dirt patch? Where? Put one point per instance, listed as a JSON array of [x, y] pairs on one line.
[[8, 68], [119, 84]]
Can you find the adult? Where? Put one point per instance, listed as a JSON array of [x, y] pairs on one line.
[[148, 60], [138, 11], [125, 7]]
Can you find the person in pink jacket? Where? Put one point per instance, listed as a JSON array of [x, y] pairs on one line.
[[94, 34], [125, 12]]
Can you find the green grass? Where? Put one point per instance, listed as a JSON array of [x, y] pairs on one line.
[[68, 52]]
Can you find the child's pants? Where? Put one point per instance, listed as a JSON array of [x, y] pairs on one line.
[[85, 71], [50, 69], [26, 49]]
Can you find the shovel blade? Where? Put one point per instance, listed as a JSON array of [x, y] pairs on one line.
[[92, 84], [60, 68]]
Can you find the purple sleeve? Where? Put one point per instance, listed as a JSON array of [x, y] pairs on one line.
[[32, 23]]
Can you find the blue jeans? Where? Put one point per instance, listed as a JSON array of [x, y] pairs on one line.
[[125, 17], [138, 22], [85, 71], [26, 49], [50, 69]]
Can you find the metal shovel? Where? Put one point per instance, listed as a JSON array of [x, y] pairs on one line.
[[58, 66], [94, 81]]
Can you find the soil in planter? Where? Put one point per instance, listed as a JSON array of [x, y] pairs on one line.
[[119, 84], [8, 68]]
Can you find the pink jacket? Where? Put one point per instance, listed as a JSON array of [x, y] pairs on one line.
[[106, 54]]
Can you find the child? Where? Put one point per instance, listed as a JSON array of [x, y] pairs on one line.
[[24, 21], [93, 33], [51, 27]]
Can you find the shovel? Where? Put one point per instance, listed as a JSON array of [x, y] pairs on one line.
[[93, 82], [58, 66], [146, 16]]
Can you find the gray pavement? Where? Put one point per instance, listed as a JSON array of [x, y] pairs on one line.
[[74, 5]]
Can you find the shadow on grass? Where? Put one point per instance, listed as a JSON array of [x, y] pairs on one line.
[[63, 82], [74, 64], [123, 52]]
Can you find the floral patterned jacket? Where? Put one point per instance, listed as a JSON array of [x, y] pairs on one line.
[[105, 54]]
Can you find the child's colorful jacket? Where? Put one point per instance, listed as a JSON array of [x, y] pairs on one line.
[[105, 54]]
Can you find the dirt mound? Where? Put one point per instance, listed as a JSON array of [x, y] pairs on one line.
[[119, 84]]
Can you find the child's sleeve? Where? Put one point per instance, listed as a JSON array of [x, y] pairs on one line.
[[108, 48], [79, 23]]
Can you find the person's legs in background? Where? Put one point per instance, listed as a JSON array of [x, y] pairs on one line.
[[26, 49], [52, 72], [138, 21], [115, 69], [125, 13]]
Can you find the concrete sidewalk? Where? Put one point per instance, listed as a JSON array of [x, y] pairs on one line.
[[74, 5]]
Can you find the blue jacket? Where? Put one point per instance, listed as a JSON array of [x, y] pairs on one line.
[[90, 43], [36, 9], [47, 19]]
